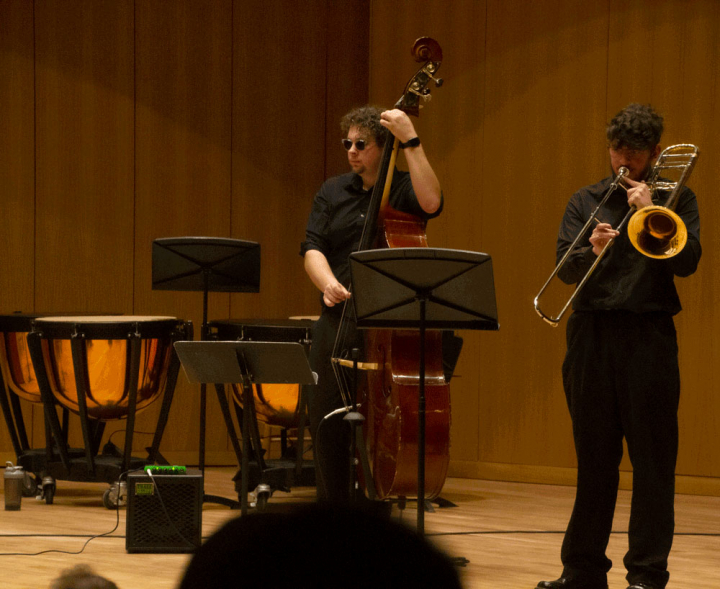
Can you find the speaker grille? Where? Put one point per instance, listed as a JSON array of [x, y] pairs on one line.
[[177, 528]]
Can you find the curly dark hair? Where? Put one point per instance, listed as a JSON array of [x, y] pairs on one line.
[[367, 118], [637, 126]]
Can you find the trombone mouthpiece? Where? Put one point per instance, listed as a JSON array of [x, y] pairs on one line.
[[623, 171]]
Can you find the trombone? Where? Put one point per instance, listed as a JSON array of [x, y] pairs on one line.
[[656, 231]]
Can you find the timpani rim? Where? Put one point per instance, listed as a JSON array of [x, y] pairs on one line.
[[99, 319]]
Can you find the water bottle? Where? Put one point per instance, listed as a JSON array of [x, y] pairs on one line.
[[14, 478]]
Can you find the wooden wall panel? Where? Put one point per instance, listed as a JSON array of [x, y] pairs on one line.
[[183, 71], [347, 74], [179, 146], [543, 139], [84, 85], [451, 129], [139, 120], [671, 63], [17, 166], [84, 160], [278, 147], [550, 80], [292, 85], [17, 156], [518, 68]]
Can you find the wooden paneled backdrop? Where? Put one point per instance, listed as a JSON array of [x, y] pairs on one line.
[[124, 121]]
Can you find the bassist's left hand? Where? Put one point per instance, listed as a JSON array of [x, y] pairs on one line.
[[399, 124]]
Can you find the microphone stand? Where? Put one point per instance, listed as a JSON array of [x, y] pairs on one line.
[[355, 419]]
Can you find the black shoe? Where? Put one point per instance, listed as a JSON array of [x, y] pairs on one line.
[[381, 509], [563, 583], [642, 586]]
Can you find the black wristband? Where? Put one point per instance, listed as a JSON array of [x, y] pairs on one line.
[[414, 142]]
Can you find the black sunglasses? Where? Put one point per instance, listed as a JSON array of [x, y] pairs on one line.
[[360, 144]]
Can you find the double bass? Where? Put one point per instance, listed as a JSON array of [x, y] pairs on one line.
[[388, 397]]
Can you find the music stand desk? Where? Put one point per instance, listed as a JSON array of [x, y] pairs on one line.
[[206, 264], [423, 288], [457, 287], [214, 264], [248, 363]]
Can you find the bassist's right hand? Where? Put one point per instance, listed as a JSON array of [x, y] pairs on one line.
[[335, 293]]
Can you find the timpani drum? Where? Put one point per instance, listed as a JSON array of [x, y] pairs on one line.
[[100, 349], [17, 381], [16, 366], [275, 404], [15, 363]]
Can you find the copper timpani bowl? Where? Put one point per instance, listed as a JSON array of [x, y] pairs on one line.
[[104, 360], [15, 364]]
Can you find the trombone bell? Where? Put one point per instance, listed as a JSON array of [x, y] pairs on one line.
[[657, 232]]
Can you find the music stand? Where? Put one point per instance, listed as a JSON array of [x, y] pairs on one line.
[[205, 264], [423, 288], [248, 363]]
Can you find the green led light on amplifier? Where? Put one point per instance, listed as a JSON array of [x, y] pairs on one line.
[[157, 469]]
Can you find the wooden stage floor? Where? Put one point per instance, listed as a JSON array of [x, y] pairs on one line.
[[510, 532]]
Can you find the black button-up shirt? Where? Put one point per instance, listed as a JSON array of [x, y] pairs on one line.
[[625, 279], [338, 216]]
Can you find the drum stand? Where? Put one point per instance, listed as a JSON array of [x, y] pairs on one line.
[[423, 288], [248, 363], [287, 471], [93, 466], [33, 460], [207, 264]]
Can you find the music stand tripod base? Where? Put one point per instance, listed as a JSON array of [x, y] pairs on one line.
[[247, 363], [423, 288]]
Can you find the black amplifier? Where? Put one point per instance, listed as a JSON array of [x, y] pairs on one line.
[[164, 512]]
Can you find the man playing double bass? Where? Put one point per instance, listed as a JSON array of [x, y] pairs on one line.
[[333, 232]]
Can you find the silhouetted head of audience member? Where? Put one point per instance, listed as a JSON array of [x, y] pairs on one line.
[[81, 577], [319, 546]]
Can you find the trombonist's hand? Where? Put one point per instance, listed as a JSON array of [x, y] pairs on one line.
[[638, 194], [602, 233], [335, 293]]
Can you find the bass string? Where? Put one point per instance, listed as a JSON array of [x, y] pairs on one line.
[[341, 346], [340, 351]]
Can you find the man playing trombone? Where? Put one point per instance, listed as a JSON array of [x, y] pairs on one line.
[[620, 373]]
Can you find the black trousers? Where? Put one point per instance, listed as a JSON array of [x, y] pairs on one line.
[[621, 378], [331, 436]]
